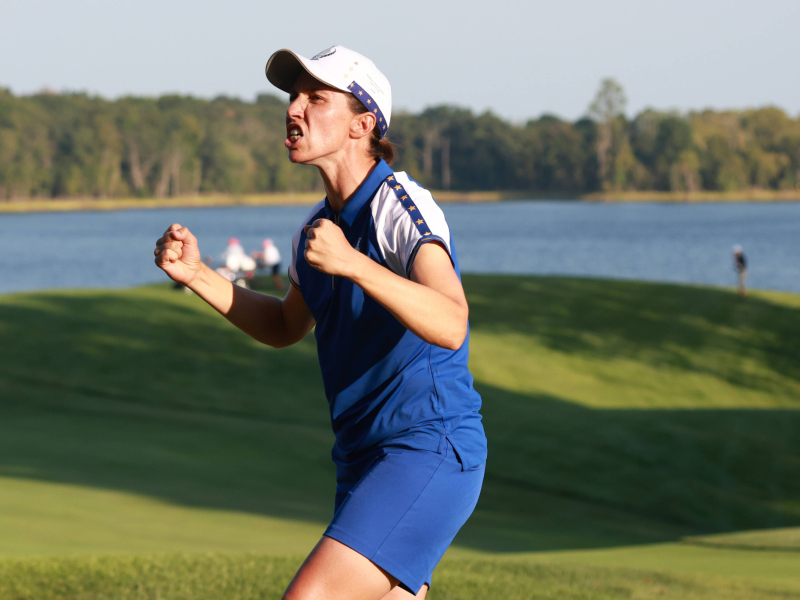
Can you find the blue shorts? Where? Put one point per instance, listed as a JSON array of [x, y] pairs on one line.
[[401, 508]]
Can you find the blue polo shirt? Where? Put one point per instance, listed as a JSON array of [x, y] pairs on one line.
[[384, 385]]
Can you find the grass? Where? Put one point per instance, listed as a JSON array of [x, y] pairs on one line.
[[248, 577], [638, 433], [21, 205], [744, 195]]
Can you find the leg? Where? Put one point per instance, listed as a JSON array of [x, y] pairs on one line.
[[399, 593], [335, 572]]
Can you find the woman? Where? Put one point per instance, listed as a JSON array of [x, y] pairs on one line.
[[374, 269]]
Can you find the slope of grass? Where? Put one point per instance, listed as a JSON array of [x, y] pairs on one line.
[[679, 403], [629, 424], [249, 577]]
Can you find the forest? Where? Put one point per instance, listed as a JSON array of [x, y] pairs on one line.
[[76, 145]]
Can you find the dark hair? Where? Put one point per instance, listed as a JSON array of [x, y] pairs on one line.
[[379, 148]]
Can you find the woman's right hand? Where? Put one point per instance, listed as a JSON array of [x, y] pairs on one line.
[[178, 255]]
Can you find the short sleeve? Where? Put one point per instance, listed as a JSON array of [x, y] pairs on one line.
[[405, 219]]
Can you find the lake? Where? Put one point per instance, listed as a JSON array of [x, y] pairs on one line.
[[688, 243]]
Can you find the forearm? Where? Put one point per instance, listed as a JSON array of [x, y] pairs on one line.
[[258, 315], [429, 314]]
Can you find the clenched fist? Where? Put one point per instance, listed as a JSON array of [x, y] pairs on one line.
[[327, 249], [178, 254]]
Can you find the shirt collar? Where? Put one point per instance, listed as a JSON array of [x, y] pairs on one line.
[[362, 196]]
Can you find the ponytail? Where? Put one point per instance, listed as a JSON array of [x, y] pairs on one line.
[[381, 148]]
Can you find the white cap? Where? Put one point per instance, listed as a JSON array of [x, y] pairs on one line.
[[340, 68], [737, 249]]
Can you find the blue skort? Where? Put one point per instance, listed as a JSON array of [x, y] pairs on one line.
[[401, 508]]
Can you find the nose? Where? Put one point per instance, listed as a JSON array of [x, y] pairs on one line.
[[296, 108]]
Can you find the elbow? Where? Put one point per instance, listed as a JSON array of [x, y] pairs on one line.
[[284, 340], [455, 341], [279, 342], [272, 341], [454, 337]]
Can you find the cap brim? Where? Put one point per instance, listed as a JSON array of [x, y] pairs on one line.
[[284, 67]]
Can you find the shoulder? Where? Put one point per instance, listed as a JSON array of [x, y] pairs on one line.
[[406, 216], [403, 199], [420, 196]]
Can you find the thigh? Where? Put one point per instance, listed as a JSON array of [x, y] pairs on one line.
[[405, 510], [399, 593], [335, 572]]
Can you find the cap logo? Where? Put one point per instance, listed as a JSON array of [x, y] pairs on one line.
[[324, 53]]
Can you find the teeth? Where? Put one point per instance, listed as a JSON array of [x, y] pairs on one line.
[[295, 134]]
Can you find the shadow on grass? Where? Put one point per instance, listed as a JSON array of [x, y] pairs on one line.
[[149, 391], [705, 330]]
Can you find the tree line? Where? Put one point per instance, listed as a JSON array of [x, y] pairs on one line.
[[75, 145]]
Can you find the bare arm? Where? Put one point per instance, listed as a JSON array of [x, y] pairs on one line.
[[268, 319], [431, 304]]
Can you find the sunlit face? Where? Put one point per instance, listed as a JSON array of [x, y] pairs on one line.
[[318, 121]]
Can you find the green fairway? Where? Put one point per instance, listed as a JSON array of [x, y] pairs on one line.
[[247, 577], [637, 433]]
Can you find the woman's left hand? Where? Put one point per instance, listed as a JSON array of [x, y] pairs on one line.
[[327, 249]]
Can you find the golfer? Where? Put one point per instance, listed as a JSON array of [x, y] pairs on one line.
[[375, 270]]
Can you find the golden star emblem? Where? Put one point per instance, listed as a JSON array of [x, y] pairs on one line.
[[375, 111], [360, 93], [369, 101], [352, 84], [345, 74], [355, 63], [397, 187], [427, 233], [404, 197], [420, 221], [380, 120], [390, 178], [412, 208], [351, 68]]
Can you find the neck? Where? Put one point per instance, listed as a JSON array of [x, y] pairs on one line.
[[342, 178]]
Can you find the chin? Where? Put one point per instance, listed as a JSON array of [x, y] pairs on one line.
[[300, 158], [296, 157]]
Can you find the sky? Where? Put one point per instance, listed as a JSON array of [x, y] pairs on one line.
[[517, 58]]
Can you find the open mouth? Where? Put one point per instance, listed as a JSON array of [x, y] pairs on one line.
[[295, 134]]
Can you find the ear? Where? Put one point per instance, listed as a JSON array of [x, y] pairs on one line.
[[362, 124]]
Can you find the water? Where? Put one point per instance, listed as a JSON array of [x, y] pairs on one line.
[[688, 243]]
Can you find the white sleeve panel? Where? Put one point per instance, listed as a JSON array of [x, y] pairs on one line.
[[402, 226], [296, 242]]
